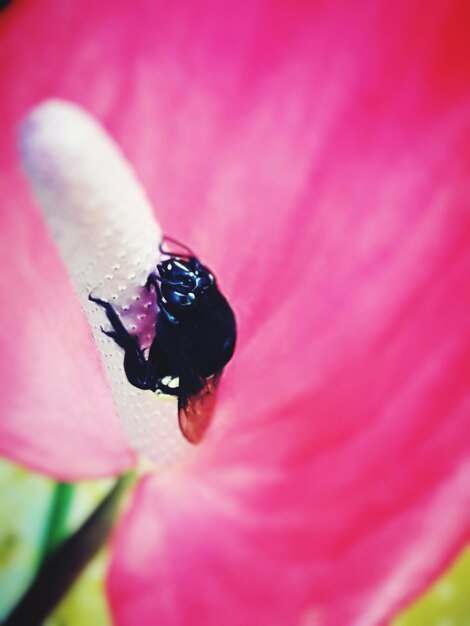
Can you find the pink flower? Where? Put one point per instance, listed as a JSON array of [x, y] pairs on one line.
[[315, 156]]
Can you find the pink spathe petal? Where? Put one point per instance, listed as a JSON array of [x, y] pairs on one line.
[[335, 480], [57, 414], [240, 549], [314, 155]]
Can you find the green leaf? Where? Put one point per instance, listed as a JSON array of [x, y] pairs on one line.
[[446, 603]]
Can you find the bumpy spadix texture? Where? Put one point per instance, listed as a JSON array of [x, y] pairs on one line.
[[109, 239], [316, 157]]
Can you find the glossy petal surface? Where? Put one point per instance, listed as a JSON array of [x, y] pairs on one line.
[[315, 156], [335, 482]]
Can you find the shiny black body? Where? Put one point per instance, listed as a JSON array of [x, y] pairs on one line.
[[4, 4], [195, 331]]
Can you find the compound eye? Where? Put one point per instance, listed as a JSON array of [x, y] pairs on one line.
[[188, 280]]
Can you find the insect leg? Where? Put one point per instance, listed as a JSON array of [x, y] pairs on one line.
[[139, 371], [119, 333], [154, 280]]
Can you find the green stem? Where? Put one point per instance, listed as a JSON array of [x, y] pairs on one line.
[[56, 526], [64, 565]]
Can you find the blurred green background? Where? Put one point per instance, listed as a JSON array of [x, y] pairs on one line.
[[27, 503]]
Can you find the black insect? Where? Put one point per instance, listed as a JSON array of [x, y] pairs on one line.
[[195, 334], [4, 4]]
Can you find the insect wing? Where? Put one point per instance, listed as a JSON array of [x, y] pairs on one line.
[[195, 411]]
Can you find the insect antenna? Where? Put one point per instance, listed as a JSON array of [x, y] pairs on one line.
[[190, 254]]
